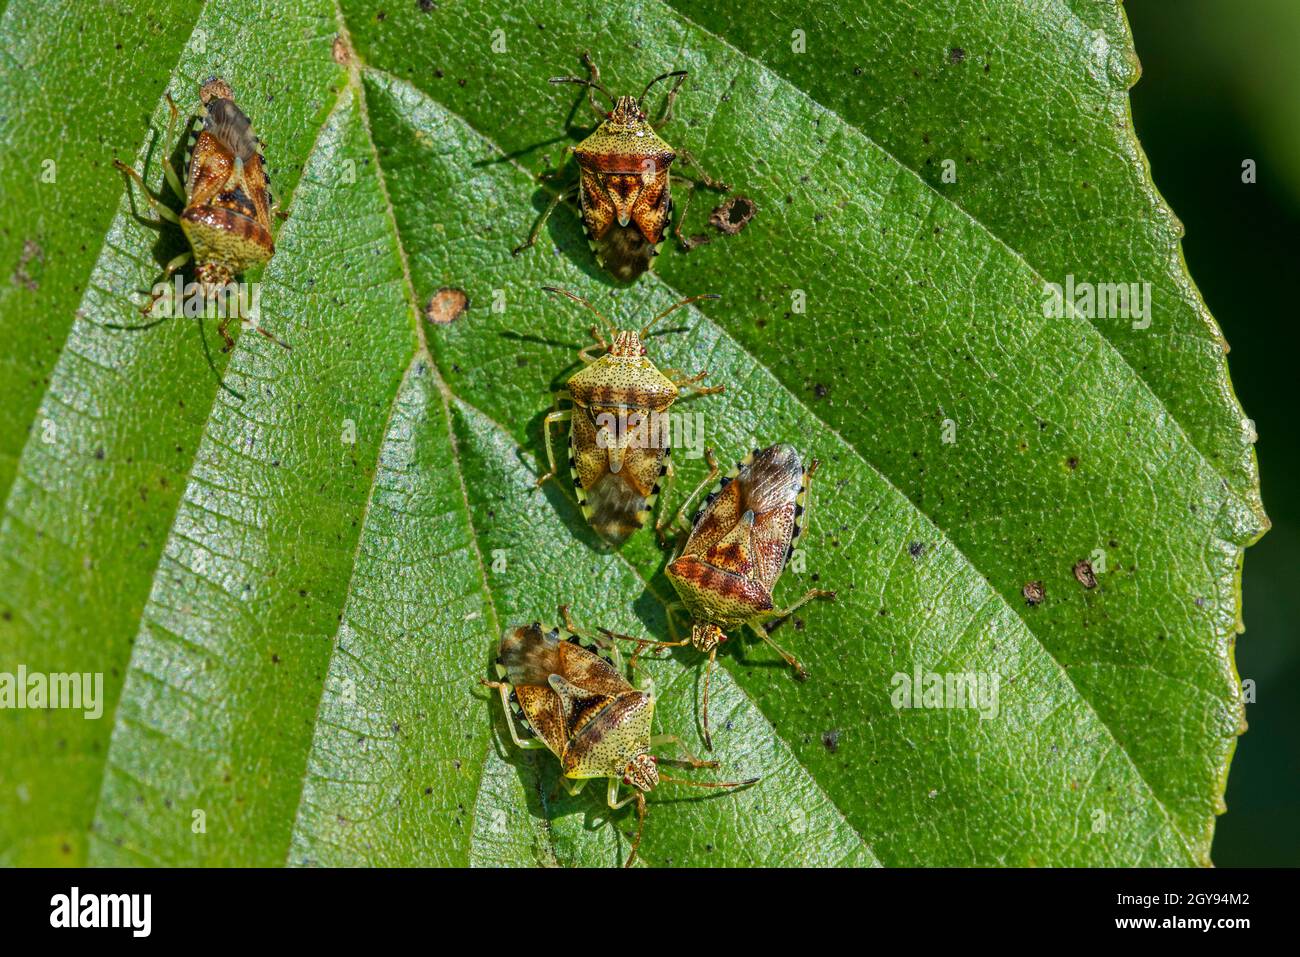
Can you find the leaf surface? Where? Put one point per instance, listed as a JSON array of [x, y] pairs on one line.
[[293, 595]]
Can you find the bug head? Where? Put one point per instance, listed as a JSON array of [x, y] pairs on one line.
[[213, 277], [627, 344], [705, 637], [215, 88], [642, 772], [627, 112]]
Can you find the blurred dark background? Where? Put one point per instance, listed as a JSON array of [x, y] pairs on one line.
[[1221, 84]]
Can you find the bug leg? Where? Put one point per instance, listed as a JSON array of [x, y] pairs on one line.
[[667, 116], [572, 787], [593, 82], [168, 271], [173, 180], [223, 329], [527, 744], [688, 159], [561, 415], [548, 175], [600, 343], [602, 636], [611, 798], [641, 643], [690, 761], [808, 596], [763, 632], [163, 212], [541, 221], [687, 242], [690, 185], [690, 381], [708, 479], [704, 710]]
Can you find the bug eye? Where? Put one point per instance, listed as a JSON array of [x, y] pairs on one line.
[[654, 758]]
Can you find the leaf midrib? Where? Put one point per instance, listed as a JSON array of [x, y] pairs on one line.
[[421, 353]]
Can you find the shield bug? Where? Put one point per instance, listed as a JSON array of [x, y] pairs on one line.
[[624, 187], [564, 690], [739, 543], [619, 432], [226, 216]]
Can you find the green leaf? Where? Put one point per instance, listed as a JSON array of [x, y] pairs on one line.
[[293, 595]]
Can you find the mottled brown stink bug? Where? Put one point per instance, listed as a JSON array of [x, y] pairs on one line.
[[619, 435], [624, 187], [227, 200], [565, 689], [740, 541]]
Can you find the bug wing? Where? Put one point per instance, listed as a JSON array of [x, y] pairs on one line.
[[626, 251], [227, 123], [606, 743], [772, 487], [653, 204], [617, 484], [746, 525], [211, 164], [719, 514], [543, 715], [531, 654], [226, 166]]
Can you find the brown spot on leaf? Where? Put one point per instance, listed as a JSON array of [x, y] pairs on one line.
[[831, 740], [446, 306], [1084, 573], [1033, 592], [956, 55], [342, 52], [733, 215]]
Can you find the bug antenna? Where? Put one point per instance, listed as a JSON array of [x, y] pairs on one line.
[[579, 299], [640, 828], [677, 305], [590, 85], [659, 78], [708, 784]]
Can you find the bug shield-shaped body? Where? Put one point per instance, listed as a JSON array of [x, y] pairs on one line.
[[227, 217], [740, 542], [619, 440], [575, 700], [624, 190]]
